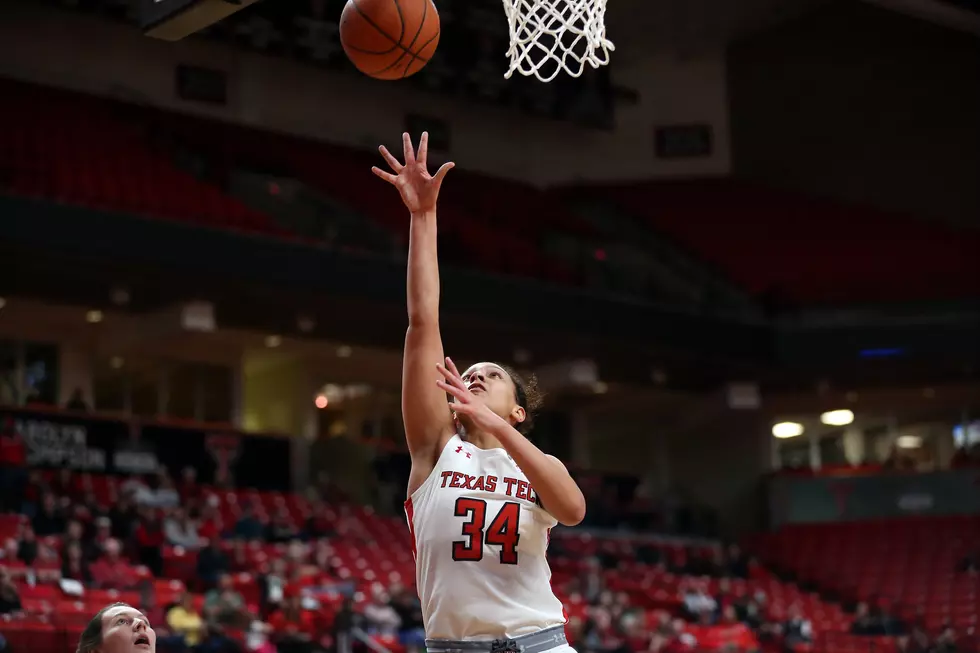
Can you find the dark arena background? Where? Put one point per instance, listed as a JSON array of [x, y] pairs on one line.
[[743, 260]]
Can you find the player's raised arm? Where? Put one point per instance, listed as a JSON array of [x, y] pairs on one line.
[[425, 409]]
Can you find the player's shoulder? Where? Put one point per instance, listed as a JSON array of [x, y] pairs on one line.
[[556, 461]]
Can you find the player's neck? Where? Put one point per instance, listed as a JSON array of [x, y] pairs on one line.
[[478, 439]]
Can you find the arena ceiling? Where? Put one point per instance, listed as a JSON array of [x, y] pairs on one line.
[[692, 27]]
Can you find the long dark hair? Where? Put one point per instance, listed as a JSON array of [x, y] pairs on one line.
[[92, 635], [527, 395]]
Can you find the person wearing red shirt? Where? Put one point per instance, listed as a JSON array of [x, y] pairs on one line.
[[111, 571], [13, 471], [149, 541], [295, 629]]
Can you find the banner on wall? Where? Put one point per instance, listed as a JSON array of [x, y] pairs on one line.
[[93, 444], [796, 500]]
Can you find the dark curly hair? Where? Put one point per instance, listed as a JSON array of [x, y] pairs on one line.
[[527, 394]]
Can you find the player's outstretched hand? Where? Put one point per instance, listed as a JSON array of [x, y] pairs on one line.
[[419, 189], [467, 404]]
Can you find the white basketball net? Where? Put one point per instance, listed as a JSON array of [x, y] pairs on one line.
[[548, 36]]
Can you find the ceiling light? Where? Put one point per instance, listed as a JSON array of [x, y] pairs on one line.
[[909, 442], [321, 401], [785, 430], [344, 351], [305, 323], [93, 316], [273, 341], [837, 417], [119, 296]]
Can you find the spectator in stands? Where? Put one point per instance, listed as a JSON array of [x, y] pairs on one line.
[[248, 526], [50, 519], [9, 597], [945, 641], [212, 563], [136, 488], [209, 523], [92, 506], [699, 606], [919, 640], [317, 524], [344, 623], [180, 530], [272, 586], [225, 607], [188, 488], [324, 560], [111, 571], [185, 623], [36, 488], [156, 492], [380, 617], [13, 471], [165, 494], [406, 604], [797, 629], [864, 623], [724, 596], [123, 515], [240, 559], [751, 609], [65, 484], [73, 563], [281, 528], [27, 545], [75, 535], [149, 541], [103, 533], [737, 563], [592, 583], [294, 628]]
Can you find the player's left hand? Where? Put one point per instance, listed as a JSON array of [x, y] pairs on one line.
[[467, 404]]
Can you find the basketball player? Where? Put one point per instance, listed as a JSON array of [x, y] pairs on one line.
[[481, 497], [118, 628]]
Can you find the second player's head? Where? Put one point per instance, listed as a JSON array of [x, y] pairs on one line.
[[505, 393], [118, 628]]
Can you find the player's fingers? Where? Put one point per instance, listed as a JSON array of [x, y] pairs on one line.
[[441, 172], [392, 161], [407, 147], [454, 391], [387, 176], [423, 148], [451, 366], [451, 377]]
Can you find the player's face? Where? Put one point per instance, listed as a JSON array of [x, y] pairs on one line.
[[495, 387], [126, 630]]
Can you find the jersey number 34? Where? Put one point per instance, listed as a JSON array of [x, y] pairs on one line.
[[503, 531]]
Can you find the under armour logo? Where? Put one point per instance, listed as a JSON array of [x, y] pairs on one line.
[[460, 450]]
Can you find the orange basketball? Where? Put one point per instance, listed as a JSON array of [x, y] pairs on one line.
[[389, 39]]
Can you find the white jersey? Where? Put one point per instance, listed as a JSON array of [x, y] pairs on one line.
[[480, 537]]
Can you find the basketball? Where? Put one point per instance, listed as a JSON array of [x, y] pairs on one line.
[[389, 39]]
